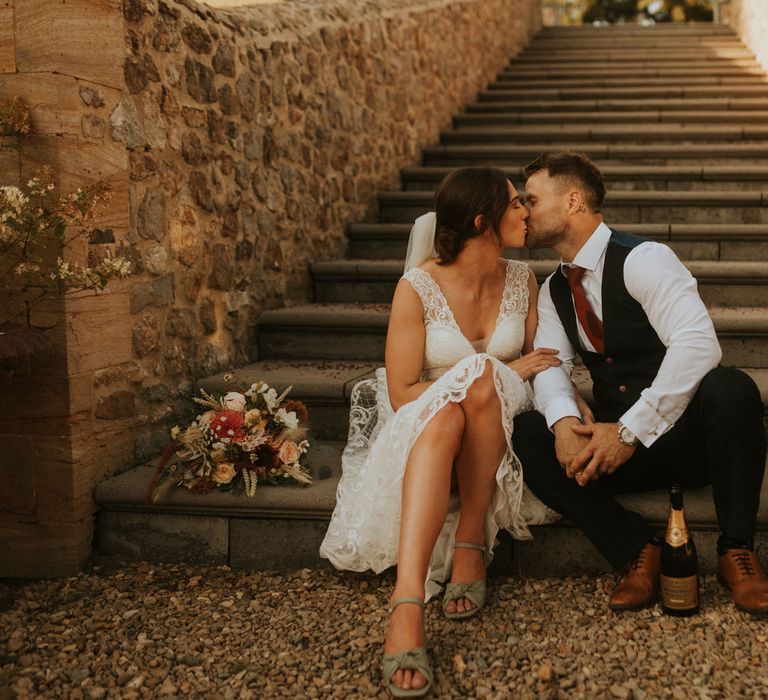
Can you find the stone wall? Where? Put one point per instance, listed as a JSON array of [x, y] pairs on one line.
[[239, 143], [750, 20]]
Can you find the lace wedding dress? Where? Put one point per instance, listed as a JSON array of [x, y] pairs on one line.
[[365, 524]]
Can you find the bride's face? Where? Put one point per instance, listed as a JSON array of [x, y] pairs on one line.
[[513, 227]]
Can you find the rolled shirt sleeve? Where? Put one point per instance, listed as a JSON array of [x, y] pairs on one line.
[[656, 278]]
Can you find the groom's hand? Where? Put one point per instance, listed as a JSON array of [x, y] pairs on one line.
[[568, 445], [603, 454]]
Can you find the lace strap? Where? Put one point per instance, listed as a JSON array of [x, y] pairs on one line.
[[515, 297], [436, 309]]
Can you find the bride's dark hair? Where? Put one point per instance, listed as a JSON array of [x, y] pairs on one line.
[[462, 195]]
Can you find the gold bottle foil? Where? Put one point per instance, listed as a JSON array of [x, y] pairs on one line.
[[677, 530]]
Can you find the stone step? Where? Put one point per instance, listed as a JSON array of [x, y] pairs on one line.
[[606, 154], [713, 43], [623, 68], [679, 71], [648, 92], [690, 241], [282, 527], [703, 29], [608, 133], [640, 117], [655, 106], [357, 332], [624, 207], [663, 57], [732, 283], [524, 81], [638, 177]]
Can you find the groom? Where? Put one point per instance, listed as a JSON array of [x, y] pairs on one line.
[[665, 410]]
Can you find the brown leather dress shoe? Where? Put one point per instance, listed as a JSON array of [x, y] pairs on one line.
[[740, 570], [640, 587]]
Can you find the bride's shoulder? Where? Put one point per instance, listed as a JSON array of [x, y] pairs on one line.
[[517, 269], [428, 266], [421, 274]]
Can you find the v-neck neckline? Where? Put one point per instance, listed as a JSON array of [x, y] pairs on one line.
[[452, 318]]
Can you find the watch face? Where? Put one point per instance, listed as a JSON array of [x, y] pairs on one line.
[[627, 437]]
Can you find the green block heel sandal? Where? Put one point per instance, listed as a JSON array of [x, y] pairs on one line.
[[413, 659], [473, 591]]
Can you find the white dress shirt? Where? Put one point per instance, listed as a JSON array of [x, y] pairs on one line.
[[668, 294]]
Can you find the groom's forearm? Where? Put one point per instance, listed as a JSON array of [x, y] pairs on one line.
[[555, 395]]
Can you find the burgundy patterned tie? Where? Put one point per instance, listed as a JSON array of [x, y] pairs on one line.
[[588, 319]]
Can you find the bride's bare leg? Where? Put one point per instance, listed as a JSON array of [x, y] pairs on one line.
[[426, 491], [481, 451]]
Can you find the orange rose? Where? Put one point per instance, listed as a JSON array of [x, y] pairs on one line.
[[224, 473], [289, 452]]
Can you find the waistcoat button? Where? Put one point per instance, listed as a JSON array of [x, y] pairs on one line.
[[609, 360], [622, 388]]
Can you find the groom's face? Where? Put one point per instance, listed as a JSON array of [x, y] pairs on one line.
[[546, 199]]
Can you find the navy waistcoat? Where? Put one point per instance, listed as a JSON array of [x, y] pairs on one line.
[[633, 351]]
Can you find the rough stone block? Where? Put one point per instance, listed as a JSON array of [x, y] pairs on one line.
[[163, 537], [120, 404], [7, 41], [17, 476], [56, 102], [276, 544], [81, 162], [90, 348], [79, 39], [50, 550]]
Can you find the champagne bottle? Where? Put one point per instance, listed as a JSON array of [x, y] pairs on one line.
[[679, 562]]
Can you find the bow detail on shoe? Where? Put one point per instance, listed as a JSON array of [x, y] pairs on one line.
[[474, 592], [412, 659]]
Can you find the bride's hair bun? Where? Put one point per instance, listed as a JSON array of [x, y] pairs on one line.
[[462, 196]]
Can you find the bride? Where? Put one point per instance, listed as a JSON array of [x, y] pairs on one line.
[[455, 377]]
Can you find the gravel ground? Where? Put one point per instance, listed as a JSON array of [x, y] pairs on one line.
[[164, 631]]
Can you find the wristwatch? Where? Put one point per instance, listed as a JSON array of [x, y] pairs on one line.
[[626, 436]]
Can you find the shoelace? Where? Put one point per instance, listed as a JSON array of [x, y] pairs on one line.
[[744, 562], [640, 559]]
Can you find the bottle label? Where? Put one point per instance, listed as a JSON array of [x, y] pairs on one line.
[[677, 529], [680, 593]]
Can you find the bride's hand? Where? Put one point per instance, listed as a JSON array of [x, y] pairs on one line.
[[535, 362]]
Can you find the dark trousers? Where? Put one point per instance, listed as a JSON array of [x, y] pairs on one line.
[[719, 440]]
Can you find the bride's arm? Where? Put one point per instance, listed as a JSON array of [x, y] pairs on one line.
[[404, 357]]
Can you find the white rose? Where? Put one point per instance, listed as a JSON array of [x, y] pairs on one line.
[[289, 420], [234, 401], [255, 389], [270, 398]]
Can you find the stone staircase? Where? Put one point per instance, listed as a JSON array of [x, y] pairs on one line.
[[677, 119]]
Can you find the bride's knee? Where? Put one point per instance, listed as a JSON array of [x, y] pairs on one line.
[[447, 425], [483, 390]]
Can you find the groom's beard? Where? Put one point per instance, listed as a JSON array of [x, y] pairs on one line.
[[545, 235]]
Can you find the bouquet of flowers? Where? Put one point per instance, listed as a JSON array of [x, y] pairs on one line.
[[236, 443]]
